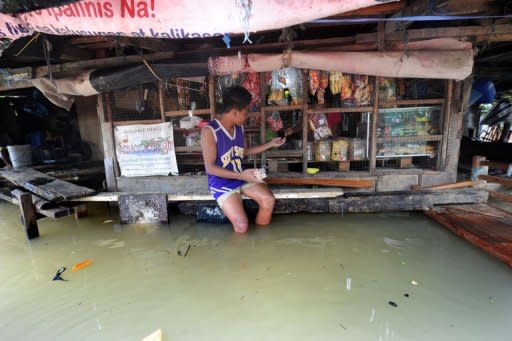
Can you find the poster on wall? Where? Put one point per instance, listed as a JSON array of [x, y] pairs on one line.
[[146, 149]]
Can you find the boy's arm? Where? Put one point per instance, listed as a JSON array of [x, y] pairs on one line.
[[209, 147], [276, 142]]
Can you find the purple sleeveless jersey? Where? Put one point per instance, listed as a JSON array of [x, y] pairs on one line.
[[230, 152]]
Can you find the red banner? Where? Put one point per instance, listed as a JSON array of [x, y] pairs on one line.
[[174, 19]]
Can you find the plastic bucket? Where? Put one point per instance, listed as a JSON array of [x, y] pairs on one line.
[[20, 156]]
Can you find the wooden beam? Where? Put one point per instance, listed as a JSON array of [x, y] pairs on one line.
[[383, 9], [441, 32], [28, 213], [496, 179], [441, 163], [108, 145], [332, 182], [42, 71], [504, 166], [500, 196], [461, 184], [278, 193]]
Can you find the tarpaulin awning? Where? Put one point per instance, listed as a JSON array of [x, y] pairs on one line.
[[174, 19], [449, 64]]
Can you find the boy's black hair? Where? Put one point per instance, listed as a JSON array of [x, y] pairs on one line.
[[235, 97]]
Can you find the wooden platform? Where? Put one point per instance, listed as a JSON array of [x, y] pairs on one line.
[[279, 194], [482, 225]]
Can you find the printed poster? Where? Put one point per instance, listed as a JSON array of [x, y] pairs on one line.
[[146, 149]]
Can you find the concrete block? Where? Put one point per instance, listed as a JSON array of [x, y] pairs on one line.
[[396, 182]]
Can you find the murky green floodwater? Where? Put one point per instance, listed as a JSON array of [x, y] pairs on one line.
[[306, 277]]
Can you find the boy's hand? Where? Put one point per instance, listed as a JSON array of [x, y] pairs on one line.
[[277, 142], [249, 175]]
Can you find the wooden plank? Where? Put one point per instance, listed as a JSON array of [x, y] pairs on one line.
[[500, 196], [270, 108], [446, 125], [180, 149], [461, 184], [441, 32], [56, 212], [263, 119], [161, 100], [382, 9], [305, 119], [333, 182], [497, 180], [421, 138], [409, 102], [373, 128], [504, 166], [109, 155], [211, 97], [340, 110], [176, 113], [42, 71], [279, 194], [28, 214], [45, 186], [131, 122], [482, 225]]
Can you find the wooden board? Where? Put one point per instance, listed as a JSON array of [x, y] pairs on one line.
[[279, 194], [497, 179], [332, 182], [45, 186], [484, 226]]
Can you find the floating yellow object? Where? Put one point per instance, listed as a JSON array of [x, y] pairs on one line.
[[81, 265], [312, 171]]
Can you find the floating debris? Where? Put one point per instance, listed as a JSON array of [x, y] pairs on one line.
[[372, 316], [157, 335], [349, 283], [393, 304], [186, 252], [406, 295], [57, 276], [413, 282], [108, 221], [342, 326], [81, 265]]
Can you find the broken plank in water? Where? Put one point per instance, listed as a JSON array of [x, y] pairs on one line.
[[45, 186]]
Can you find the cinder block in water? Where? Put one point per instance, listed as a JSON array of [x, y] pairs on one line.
[[211, 214], [143, 208]]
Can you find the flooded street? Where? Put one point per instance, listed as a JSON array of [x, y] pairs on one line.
[[306, 277]]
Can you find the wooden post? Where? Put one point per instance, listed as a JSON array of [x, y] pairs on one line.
[[28, 214], [211, 96], [81, 211], [373, 130], [305, 120], [161, 96], [263, 118], [375, 113], [441, 162]]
